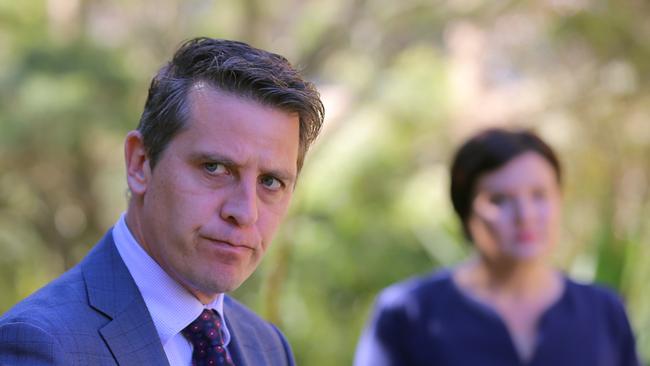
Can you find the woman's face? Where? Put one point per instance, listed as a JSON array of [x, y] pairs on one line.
[[516, 211]]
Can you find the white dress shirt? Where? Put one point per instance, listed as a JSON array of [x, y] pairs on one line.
[[171, 306]]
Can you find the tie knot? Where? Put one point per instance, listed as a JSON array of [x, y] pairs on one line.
[[205, 330], [206, 335]]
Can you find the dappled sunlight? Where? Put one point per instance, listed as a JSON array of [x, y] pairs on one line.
[[402, 82]]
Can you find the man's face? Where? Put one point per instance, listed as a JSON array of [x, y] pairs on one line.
[[216, 196]]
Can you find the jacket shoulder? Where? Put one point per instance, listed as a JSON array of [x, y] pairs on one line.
[[22, 343], [47, 307], [32, 331]]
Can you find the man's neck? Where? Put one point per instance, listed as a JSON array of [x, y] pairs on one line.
[[135, 228]]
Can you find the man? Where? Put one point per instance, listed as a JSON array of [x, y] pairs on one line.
[[211, 170]]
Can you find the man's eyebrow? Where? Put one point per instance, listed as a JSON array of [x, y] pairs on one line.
[[200, 156], [212, 157], [283, 175]]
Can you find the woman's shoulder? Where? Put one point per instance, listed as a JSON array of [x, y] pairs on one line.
[[599, 298], [600, 306], [592, 292], [417, 290]]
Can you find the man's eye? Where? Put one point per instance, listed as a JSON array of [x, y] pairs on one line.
[[214, 168], [271, 183]]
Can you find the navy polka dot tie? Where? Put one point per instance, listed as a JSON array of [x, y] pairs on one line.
[[206, 336]]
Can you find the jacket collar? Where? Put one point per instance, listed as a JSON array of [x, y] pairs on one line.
[[130, 335]]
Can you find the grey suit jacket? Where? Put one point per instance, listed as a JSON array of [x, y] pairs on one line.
[[94, 315]]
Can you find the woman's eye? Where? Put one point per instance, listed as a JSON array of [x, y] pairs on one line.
[[271, 183], [497, 199], [214, 168], [539, 194]]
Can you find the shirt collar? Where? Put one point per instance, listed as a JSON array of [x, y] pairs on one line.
[[171, 306]]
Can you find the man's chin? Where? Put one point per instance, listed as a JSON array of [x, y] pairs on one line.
[[224, 285]]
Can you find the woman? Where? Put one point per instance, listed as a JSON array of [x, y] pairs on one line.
[[506, 305]]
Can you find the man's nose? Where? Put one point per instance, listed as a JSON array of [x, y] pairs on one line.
[[240, 205]]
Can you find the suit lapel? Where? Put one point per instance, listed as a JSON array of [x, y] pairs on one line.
[[241, 332], [130, 335]]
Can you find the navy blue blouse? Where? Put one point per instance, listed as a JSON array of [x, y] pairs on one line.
[[429, 321]]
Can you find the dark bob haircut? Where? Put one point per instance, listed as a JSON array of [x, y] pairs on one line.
[[233, 67], [485, 152]]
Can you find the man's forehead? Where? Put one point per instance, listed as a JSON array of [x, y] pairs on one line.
[[214, 124], [201, 86], [204, 90]]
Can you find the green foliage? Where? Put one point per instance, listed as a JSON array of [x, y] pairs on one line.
[[403, 82]]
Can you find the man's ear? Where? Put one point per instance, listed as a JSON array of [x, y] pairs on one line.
[[138, 170]]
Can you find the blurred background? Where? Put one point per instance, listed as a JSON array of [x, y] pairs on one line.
[[404, 82]]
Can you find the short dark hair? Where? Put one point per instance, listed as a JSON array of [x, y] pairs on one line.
[[486, 152], [234, 67]]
